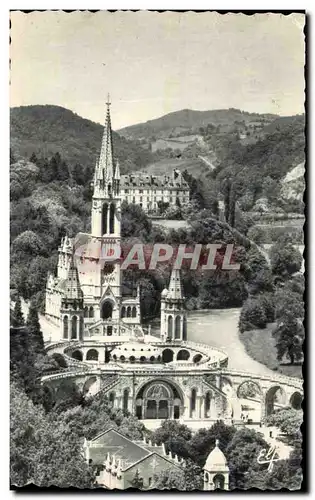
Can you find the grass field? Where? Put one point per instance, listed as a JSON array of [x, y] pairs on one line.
[[193, 165], [260, 345]]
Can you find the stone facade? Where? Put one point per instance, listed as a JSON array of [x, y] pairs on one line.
[[148, 190]]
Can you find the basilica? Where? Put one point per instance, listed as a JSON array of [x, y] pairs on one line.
[[153, 374]]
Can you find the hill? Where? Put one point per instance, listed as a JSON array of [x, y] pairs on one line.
[[190, 121], [46, 130]]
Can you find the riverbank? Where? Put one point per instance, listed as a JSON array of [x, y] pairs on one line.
[[260, 345]]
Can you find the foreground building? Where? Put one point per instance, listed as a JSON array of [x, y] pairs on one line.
[[109, 353]]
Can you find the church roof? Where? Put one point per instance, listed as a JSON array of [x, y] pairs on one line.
[[216, 460], [124, 449]]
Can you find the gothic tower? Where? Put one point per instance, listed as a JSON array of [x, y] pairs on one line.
[[216, 470], [105, 228], [71, 310], [173, 314]]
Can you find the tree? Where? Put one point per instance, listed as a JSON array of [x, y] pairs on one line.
[[137, 481], [43, 451], [18, 314], [252, 315], [204, 441], [170, 479], [285, 259], [242, 453], [33, 326], [289, 421], [289, 336]]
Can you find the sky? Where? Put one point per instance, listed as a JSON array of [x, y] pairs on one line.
[[155, 63]]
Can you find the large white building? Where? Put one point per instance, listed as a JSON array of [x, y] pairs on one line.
[[149, 190]]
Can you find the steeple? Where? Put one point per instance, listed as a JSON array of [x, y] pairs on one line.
[[72, 284], [175, 290], [105, 167]]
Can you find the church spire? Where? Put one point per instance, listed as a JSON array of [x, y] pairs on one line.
[[105, 167], [72, 284], [175, 289]]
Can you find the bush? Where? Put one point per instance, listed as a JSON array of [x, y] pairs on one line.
[[252, 315]]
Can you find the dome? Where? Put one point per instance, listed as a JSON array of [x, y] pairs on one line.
[[164, 292], [138, 352], [216, 460]]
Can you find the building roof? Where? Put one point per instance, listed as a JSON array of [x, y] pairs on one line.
[[216, 460], [124, 449], [175, 290], [146, 180]]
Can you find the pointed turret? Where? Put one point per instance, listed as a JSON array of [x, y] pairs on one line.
[[72, 285], [175, 289], [105, 167], [117, 171]]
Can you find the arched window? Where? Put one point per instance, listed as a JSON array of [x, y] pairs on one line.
[[86, 312], [177, 327], [167, 355], [92, 355], [134, 312], [112, 219], [81, 328], [107, 309], [207, 404], [218, 482], [183, 355], [123, 312], [142, 359], [77, 355], [104, 218], [112, 398], [184, 328], [122, 358], [193, 402], [65, 327], [170, 326], [125, 399], [152, 358], [74, 322], [91, 312], [128, 312]]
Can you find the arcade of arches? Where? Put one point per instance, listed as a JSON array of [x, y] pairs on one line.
[[159, 400]]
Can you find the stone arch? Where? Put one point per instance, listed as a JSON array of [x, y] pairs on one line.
[[177, 327], [74, 323], [122, 358], [170, 326], [193, 400], [112, 219], [167, 355], [218, 482], [123, 311], [104, 218], [89, 386], [296, 400], [129, 312], [92, 355], [134, 312], [197, 358], [107, 309], [65, 327], [152, 359], [91, 312], [86, 312], [183, 355], [77, 354], [249, 389], [125, 399], [275, 394], [143, 359], [160, 399], [132, 359]]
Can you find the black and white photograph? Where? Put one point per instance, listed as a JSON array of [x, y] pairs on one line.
[[157, 258]]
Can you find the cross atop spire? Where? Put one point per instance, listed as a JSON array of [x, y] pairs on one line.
[[108, 103]]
